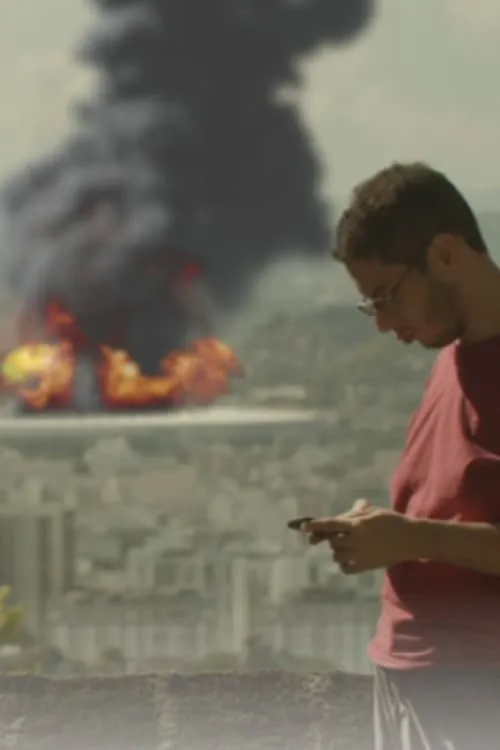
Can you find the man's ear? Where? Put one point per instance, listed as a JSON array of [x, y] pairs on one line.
[[442, 256]]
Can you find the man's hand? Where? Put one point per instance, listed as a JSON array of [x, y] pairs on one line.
[[359, 506], [365, 538]]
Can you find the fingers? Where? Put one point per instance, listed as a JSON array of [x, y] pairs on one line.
[[341, 524], [360, 506], [335, 530], [328, 526], [339, 532], [316, 538], [340, 542], [350, 568], [346, 561], [342, 548], [332, 539], [342, 556]]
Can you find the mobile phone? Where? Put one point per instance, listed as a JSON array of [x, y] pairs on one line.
[[297, 523]]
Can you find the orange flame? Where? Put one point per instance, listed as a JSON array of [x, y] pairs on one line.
[[43, 374]]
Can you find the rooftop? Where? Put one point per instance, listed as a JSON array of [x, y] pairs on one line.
[[249, 711]]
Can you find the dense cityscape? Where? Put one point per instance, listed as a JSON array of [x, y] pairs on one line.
[[173, 549]]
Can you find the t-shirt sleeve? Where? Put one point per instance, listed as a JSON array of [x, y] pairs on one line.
[[479, 373]]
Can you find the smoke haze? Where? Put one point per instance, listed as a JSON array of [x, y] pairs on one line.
[[188, 143]]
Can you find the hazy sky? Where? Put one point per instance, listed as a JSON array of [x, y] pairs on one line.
[[421, 84], [37, 77]]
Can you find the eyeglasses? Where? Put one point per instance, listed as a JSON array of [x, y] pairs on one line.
[[371, 305]]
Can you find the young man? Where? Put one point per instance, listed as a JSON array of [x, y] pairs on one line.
[[412, 245]]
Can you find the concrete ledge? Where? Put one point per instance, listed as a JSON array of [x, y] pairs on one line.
[[210, 711]]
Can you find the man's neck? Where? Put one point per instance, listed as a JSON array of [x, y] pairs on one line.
[[483, 305]]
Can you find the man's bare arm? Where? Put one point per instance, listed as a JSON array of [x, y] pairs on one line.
[[471, 545], [380, 538]]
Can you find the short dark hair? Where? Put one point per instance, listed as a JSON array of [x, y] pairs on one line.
[[394, 216]]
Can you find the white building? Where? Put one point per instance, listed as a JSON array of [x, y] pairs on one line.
[[37, 556], [189, 599]]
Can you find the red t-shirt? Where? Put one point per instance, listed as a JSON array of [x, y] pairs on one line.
[[435, 614]]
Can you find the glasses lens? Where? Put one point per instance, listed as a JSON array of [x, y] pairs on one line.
[[366, 307]]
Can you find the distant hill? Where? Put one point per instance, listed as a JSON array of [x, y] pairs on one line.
[[328, 351], [490, 225]]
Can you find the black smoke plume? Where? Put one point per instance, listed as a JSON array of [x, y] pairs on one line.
[[187, 150]]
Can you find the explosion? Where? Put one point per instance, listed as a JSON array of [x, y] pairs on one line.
[[44, 375], [186, 175]]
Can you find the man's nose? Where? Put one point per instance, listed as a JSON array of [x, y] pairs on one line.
[[383, 321]]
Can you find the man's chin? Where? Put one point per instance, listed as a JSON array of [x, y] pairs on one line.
[[437, 342], [433, 346]]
